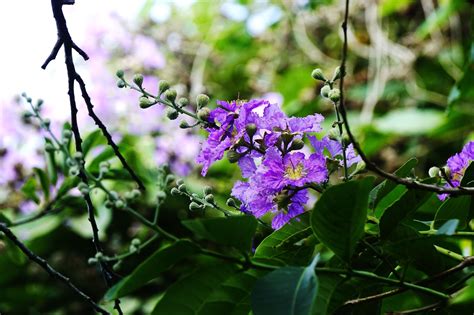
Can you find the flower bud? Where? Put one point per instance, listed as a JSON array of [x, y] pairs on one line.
[[172, 113], [170, 178], [175, 191], [46, 123], [163, 85], [160, 195], [144, 102], [182, 188], [180, 181], [209, 198], [251, 129], [74, 171], [39, 103], [207, 190], [183, 101], [297, 144], [204, 113], [337, 74], [138, 79], [119, 204], [183, 124], [99, 256], [135, 193], [202, 100], [193, 206], [333, 134], [119, 73], [121, 84], [67, 134], [230, 202], [447, 171], [108, 204], [136, 242], [317, 74], [171, 94], [434, 171], [325, 91], [334, 95], [48, 147], [233, 156], [91, 261], [132, 248], [77, 156]]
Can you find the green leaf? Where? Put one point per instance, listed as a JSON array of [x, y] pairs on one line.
[[92, 139], [327, 285], [148, 270], [439, 17], [286, 291], [340, 214], [67, 185], [384, 188], [237, 231], [290, 243], [191, 294], [51, 165], [454, 208], [44, 181], [401, 210], [449, 228], [29, 190]]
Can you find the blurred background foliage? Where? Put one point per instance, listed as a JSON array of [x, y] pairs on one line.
[[409, 93]]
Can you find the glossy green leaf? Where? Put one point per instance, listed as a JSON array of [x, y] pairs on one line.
[[327, 285], [29, 190], [44, 181], [148, 270], [454, 208], [286, 291], [290, 244], [92, 139], [207, 291], [237, 231], [339, 216]]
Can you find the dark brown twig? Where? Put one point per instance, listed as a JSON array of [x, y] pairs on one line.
[[44, 264]]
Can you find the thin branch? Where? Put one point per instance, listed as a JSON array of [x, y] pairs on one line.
[[408, 182], [44, 264]]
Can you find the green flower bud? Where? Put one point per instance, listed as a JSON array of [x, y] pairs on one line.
[[161, 195], [334, 134], [182, 188], [39, 103], [202, 100], [183, 101], [92, 261], [74, 171], [233, 156], [108, 204], [434, 171], [171, 94], [67, 134], [77, 156], [337, 74], [119, 73], [135, 193], [360, 166], [204, 113], [48, 147], [170, 178], [163, 85], [193, 206], [325, 91], [175, 191], [334, 95], [99, 256], [138, 79], [447, 171], [144, 102], [209, 198], [251, 129], [180, 181], [297, 144], [82, 185], [46, 123], [27, 115], [207, 190], [183, 124], [121, 84], [230, 202], [317, 74], [28, 99], [132, 248], [119, 204], [136, 242], [104, 164], [172, 113]]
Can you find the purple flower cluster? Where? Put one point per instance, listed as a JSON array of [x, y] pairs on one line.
[[458, 164], [269, 149]]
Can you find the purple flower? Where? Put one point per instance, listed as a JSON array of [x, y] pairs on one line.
[[458, 164], [231, 120], [295, 208], [335, 150]]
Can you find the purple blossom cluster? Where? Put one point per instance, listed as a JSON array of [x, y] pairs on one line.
[[458, 164], [268, 146]]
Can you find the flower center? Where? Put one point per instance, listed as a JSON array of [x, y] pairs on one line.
[[295, 172]]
